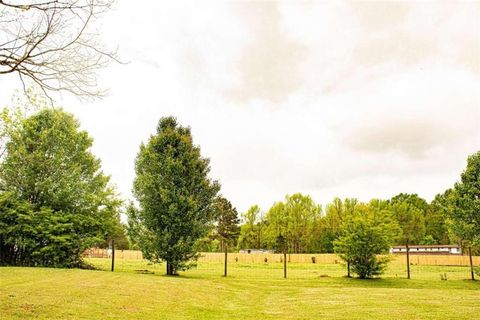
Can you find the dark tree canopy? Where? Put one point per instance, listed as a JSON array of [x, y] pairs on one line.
[[54, 44], [227, 220], [428, 225], [175, 195], [464, 213], [55, 201], [409, 211]]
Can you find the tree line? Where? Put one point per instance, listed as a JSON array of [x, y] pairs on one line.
[[307, 227], [55, 202]]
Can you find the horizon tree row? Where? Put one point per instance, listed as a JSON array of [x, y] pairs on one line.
[[308, 228]]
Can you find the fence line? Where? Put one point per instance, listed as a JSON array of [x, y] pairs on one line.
[[424, 260], [119, 254]]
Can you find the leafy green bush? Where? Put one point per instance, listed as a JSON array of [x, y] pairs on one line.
[[366, 235]]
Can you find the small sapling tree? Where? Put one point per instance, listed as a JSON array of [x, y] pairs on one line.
[[364, 238], [227, 228]]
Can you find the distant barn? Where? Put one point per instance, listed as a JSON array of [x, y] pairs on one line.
[[427, 249]]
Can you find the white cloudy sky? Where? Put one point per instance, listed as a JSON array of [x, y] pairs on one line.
[[357, 99]]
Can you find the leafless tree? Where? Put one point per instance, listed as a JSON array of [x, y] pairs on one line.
[[54, 44]]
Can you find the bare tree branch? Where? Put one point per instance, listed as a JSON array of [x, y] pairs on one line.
[[53, 44]]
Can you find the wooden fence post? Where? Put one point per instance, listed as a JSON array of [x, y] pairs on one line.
[[471, 263], [226, 259], [408, 260], [113, 255]]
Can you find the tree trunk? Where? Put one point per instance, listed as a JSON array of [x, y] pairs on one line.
[[408, 260], [259, 238], [170, 269], [113, 255], [226, 256], [285, 264], [471, 263], [348, 269]]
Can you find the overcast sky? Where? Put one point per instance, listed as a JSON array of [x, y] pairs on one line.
[[330, 99]]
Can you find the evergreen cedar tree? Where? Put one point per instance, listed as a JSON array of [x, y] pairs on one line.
[[227, 220], [55, 202], [175, 196], [227, 228]]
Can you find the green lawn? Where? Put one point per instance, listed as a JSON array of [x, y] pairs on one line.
[[250, 292]]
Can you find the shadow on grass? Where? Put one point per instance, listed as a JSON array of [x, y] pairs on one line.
[[327, 281]]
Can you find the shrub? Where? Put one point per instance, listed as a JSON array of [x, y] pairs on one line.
[[363, 239]]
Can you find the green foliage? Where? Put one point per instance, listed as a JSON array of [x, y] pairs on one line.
[[435, 222], [140, 237], [119, 235], [336, 213], [281, 244], [463, 204], [251, 230], [55, 201], [428, 240], [419, 219], [209, 243], [227, 221], [295, 220], [409, 211], [175, 196], [366, 234]]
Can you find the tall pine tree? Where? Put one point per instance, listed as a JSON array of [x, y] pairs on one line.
[[227, 228]]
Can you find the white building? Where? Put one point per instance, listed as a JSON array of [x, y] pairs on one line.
[[427, 249]]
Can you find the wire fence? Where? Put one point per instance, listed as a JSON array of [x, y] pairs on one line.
[[299, 266]]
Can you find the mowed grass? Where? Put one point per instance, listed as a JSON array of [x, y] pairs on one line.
[[251, 291]]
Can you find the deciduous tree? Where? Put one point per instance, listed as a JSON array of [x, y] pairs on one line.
[[295, 219], [56, 202], [366, 234], [336, 213], [54, 44], [250, 232], [464, 211], [175, 195], [411, 220]]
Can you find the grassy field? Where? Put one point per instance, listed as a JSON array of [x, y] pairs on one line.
[[250, 292]]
